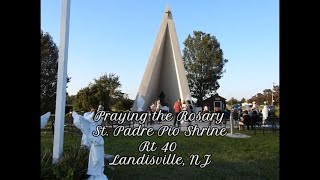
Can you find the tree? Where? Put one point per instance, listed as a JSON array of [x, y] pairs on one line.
[[204, 62], [123, 104], [267, 95], [70, 99], [267, 92], [243, 100], [48, 73], [259, 98], [110, 82], [104, 89], [89, 97], [232, 101]]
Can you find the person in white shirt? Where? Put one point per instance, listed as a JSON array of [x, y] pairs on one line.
[[184, 106]]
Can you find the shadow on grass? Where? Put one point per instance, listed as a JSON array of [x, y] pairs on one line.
[[256, 157], [216, 170]]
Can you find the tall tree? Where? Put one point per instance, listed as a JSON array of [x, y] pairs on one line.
[[70, 99], [267, 93], [260, 98], [104, 89], [48, 73], [243, 100], [123, 103], [88, 98], [204, 62]]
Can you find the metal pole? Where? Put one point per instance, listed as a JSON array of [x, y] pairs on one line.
[[272, 93], [61, 82], [231, 121]]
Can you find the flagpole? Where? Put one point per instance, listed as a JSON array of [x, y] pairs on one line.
[[272, 94], [61, 82]]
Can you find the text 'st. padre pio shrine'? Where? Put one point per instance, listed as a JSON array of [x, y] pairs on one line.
[[165, 74]]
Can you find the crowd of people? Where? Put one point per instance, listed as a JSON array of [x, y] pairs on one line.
[[247, 118], [178, 106], [155, 108], [243, 118]]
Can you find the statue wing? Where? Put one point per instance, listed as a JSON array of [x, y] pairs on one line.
[[44, 119], [81, 123], [88, 115]]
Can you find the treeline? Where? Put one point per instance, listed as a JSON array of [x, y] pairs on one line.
[[260, 98]]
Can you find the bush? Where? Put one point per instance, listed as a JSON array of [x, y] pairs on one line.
[[73, 164]]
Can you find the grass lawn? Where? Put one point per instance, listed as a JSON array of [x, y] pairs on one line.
[[256, 157]]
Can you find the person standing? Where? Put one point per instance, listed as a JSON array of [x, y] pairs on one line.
[[184, 105], [153, 110], [235, 115], [177, 109], [158, 109], [183, 108], [206, 110]]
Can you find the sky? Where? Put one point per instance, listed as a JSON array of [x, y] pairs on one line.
[[117, 36]]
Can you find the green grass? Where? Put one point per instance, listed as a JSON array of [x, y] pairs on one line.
[[256, 157]]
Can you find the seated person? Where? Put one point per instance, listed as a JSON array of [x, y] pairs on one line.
[[241, 124], [165, 108], [255, 118], [247, 119]]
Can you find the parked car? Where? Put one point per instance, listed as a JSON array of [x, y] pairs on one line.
[[236, 107]]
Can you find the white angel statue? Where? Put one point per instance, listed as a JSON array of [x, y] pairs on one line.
[[264, 114], [96, 156], [140, 103], [44, 119], [84, 139], [254, 106]]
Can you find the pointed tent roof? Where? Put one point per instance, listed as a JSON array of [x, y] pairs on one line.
[[165, 69]]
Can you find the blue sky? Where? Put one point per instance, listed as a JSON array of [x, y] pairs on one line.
[[117, 36]]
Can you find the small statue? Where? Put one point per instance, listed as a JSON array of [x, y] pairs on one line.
[[140, 103], [44, 119], [264, 114], [96, 156], [254, 106]]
